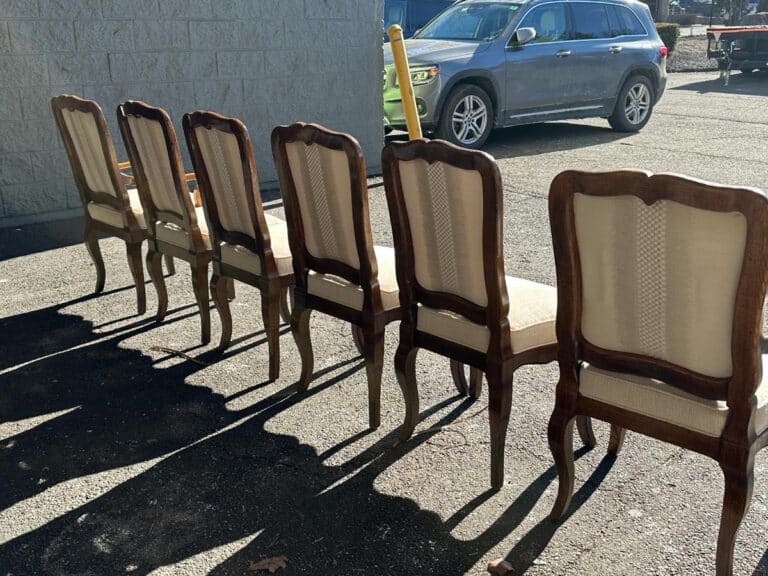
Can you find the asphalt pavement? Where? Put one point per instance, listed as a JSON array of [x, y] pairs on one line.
[[125, 448]]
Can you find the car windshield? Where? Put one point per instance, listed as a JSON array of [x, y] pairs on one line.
[[478, 21]]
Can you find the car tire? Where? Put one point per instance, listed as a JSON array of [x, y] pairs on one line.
[[463, 128], [747, 71], [634, 105]]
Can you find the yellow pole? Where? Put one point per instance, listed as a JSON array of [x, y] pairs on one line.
[[404, 80]]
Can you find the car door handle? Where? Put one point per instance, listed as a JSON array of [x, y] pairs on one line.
[[615, 49], [563, 53]]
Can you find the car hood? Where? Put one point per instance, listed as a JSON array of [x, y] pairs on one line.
[[437, 51]]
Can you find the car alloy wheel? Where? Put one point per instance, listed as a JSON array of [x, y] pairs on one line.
[[637, 104], [469, 120]]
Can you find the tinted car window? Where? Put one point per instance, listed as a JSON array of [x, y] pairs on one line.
[[629, 25], [550, 22], [591, 21], [472, 21]]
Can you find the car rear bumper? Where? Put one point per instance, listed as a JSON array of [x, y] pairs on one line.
[[661, 86]]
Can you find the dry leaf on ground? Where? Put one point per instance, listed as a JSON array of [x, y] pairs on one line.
[[500, 567], [271, 565]]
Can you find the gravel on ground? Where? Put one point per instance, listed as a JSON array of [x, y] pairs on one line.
[[690, 55]]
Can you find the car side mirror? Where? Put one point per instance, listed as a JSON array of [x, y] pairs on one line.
[[523, 36]]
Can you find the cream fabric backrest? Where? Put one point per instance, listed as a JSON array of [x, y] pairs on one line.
[[660, 280], [153, 152], [221, 153], [84, 133], [323, 186], [445, 214]]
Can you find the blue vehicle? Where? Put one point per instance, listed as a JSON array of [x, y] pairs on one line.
[[481, 64], [411, 14]]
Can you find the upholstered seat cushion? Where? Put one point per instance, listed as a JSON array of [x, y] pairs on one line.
[[660, 401], [342, 292], [176, 235], [532, 312], [108, 215], [243, 259]]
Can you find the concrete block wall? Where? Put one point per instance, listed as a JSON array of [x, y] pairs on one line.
[[267, 62]]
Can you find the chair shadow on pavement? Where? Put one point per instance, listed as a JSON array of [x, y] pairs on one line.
[[33, 335], [267, 490], [762, 566], [222, 477], [95, 405]]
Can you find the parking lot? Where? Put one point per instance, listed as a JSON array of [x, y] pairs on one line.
[[120, 456]]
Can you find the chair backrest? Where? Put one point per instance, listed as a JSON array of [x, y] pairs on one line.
[[91, 152], [445, 204], [150, 141], [222, 155], [323, 180], [661, 276]]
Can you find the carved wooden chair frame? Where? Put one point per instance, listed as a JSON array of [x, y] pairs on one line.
[[367, 324], [273, 287], [736, 448], [132, 233], [499, 363], [198, 254]]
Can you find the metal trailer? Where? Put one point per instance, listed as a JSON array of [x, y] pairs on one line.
[[742, 48]]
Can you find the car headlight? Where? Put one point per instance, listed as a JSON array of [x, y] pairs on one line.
[[423, 74]]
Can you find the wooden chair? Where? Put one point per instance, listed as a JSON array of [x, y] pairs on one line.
[[661, 282], [110, 207], [446, 209], [176, 228], [248, 245], [338, 270]]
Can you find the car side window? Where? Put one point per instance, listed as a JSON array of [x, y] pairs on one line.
[[629, 24], [591, 21], [550, 22]]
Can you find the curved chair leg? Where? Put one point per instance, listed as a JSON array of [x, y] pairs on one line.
[[499, 408], [373, 352], [617, 439], [285, 303], [560, 433], [200, 287], [137, 271], [738, 495], [231, 288], [459, 377], [169, 265], [219, 295], [405, 370], [358, 339], [584, 426], [300, 329], [270, 312], [475, 383], [92, 244], [155, 269]]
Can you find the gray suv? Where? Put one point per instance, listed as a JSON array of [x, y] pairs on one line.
[[482, 64]]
